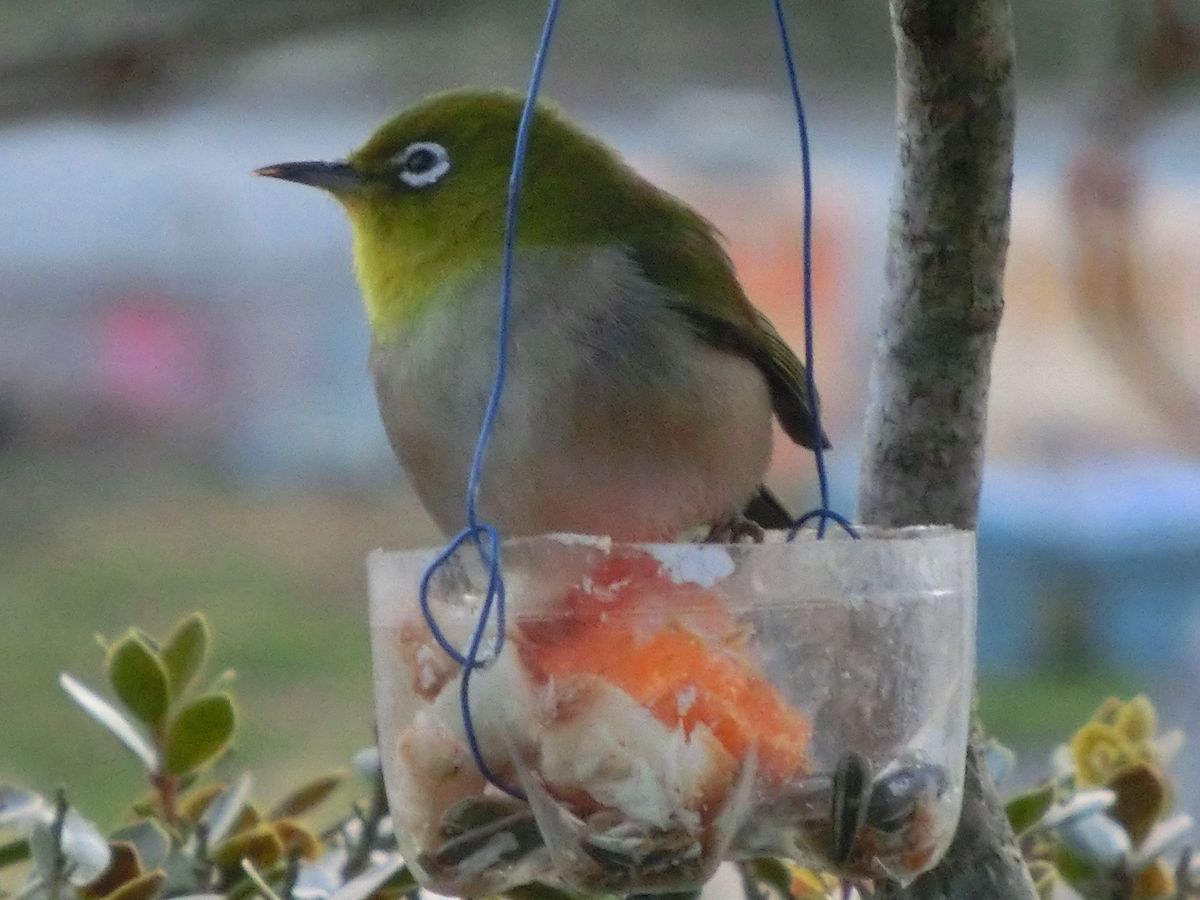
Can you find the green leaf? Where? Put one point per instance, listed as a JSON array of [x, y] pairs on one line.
[[261, 845], [259, 879], [1026, 810], [222, 814], [139, 678], [84, 848], [198, 733], [297, 839], [111, 718], [773, 873], [307, 796], [124, 866], [14, 852], [144, 887], [184, 652], [17, 805], [151, 840]]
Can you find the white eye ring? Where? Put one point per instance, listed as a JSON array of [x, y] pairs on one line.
[[422, 163]]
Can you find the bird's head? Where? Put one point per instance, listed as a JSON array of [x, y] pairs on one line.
[[426, 195]]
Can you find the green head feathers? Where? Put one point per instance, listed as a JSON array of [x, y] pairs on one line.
[[426, 195]]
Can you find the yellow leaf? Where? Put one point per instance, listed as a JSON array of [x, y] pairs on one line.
[[193, 804], [1107, 712], [297, 840], [1138, 719], [1155, 880], [1099, 752], [141, 888], [810, 885], [261, 845]]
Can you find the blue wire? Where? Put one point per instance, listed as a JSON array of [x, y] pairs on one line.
[[824, 514], [485, 536]]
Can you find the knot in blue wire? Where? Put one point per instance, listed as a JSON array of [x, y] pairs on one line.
[[485, 536]]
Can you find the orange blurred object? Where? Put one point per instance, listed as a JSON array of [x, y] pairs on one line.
[[675, 650]]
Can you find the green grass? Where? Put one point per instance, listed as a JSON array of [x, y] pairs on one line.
[[1048, 707], [90, 547]]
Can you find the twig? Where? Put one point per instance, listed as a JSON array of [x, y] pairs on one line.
[[360, 854], [923, 449]]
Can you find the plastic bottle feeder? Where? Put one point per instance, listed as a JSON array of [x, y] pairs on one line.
[[666, 707]]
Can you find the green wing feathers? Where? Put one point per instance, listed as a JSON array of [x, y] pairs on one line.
[[684, 255], [761, 344]]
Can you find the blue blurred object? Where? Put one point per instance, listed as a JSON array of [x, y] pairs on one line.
[[1124, 536]]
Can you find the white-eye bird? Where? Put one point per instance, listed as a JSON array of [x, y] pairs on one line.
[[641, 381]]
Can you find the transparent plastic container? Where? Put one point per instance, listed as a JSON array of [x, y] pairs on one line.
[[666, 707]]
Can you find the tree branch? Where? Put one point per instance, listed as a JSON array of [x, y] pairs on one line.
[[923, 454]]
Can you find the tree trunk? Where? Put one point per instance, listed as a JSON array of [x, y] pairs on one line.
[[923, 453]]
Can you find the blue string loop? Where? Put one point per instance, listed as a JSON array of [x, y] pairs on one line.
[[484, 536], [825, 513]]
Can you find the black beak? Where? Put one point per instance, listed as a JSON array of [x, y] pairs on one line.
[[337, 177]]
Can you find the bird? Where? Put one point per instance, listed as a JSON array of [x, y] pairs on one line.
[[641, 381]]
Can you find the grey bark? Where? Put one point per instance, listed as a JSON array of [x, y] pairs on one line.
[[923, 452]]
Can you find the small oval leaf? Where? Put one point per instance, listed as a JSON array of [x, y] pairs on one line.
[[1026, 810], [1096, 839], [185, 651], [18, 805], [261, 845], [139, 678], [194, 803], [198, 733], [1138, 719], [144, 887], [123, 868], [111, 718], [297, 840], [307, 796], [151, 840], [14, 852], [223, 813], [84, 848]]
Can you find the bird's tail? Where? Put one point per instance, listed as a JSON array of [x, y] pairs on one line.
[[766, 510]]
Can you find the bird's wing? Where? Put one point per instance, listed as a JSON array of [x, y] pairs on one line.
[[684, 255]]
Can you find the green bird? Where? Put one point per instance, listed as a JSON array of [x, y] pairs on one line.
[[641, 380]]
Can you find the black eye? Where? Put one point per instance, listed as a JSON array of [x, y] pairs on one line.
[[420, 160], [422, 164]]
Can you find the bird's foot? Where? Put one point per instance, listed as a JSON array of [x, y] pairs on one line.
[[735, 530]]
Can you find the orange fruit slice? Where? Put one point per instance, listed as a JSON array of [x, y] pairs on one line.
[[673, 648]]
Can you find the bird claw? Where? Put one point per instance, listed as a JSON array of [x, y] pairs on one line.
[[735, 530]]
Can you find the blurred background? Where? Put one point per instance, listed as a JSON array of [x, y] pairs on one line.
[[186, 419]]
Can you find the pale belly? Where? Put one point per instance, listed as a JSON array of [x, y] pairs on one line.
[[616, 419]]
